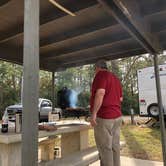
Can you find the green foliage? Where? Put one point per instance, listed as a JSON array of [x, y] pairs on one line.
[[83, 99], [76, 78], [10, 80], [129, 102], [45, 83], [10, 97], [79, 79]]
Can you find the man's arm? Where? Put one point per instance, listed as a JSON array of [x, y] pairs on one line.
[[97, 104]]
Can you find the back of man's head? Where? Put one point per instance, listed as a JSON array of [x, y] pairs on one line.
[[101, 64]]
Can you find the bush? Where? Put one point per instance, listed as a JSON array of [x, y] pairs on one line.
[[9, 97], [83, 99], [130, 101]]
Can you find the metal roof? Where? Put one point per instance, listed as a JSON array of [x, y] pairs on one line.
[[100, 29]]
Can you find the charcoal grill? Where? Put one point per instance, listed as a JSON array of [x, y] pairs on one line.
[[75, 112], [64, 104]]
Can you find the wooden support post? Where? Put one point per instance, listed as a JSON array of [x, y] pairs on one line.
[[160, 104], [30, 84], [53, 90]]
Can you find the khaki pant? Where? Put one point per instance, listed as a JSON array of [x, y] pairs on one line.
[[107, 137]]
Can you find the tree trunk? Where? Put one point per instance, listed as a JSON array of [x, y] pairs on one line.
[[114, 67], [13, 78]]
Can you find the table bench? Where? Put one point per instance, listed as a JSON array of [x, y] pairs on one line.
[[74, 138], [81, 158]]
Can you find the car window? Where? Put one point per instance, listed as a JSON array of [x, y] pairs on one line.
[[46, 104], [49, 104]]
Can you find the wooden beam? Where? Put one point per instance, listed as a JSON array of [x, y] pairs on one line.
[[3, 2], [110, 56], [102, 49], [153, 7], [77, 27], [157, 22], [11, 55], [86, 35], [51, 17], [62, 7], [96, 38], [127, 13], [53, 91], [30, 84], [92, 59]]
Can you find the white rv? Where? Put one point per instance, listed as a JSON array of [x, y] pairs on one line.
[[147, 91]]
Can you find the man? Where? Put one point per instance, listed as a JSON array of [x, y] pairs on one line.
[[106, 98]]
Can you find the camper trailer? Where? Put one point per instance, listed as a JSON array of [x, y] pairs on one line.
[[147, 91]]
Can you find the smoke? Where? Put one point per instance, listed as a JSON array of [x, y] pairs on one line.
[[73, 97]]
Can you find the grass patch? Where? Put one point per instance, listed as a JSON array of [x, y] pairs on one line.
[[142, 143]]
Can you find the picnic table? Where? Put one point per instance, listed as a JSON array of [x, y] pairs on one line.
[[74, 138]]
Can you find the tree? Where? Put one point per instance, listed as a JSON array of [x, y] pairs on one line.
[[79, 78], [10, 76]]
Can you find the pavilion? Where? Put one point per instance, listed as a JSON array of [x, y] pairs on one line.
[[57, 34]]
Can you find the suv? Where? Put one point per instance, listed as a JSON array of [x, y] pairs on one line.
[[45, 106]]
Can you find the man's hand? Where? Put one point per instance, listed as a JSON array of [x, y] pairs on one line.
[[93, 120]]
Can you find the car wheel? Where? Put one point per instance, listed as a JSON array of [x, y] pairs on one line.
[[39, 118], [153, 110], [59, 114]]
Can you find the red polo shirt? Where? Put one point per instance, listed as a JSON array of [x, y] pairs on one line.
[[111, 106]]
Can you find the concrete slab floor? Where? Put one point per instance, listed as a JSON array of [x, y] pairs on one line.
[[126, 161]]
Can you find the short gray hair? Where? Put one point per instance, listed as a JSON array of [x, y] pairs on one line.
[[101, 64]]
